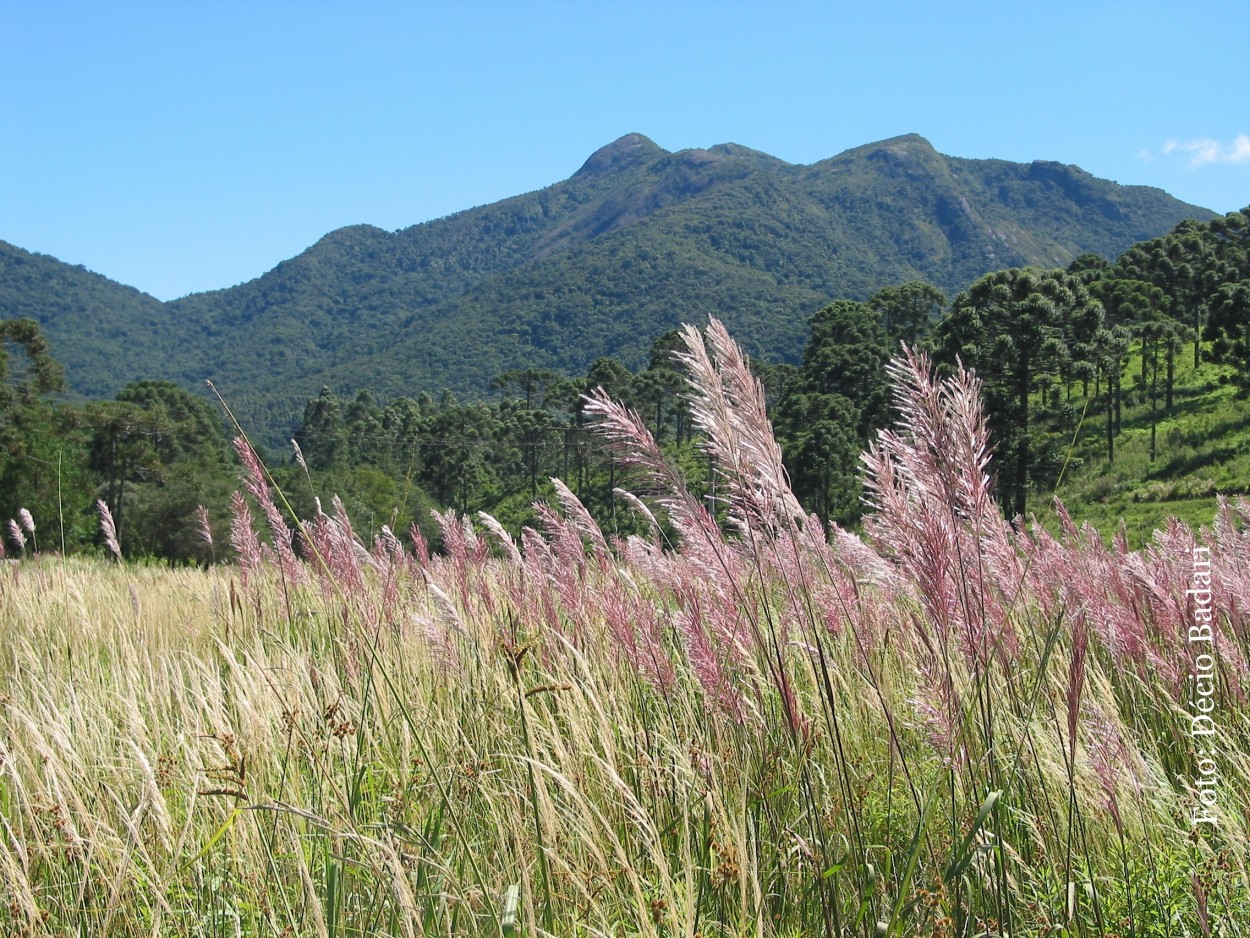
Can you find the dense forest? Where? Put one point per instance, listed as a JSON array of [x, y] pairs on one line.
[[1053, 348]]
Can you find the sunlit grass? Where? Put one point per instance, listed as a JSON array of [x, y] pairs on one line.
[[944, 728]]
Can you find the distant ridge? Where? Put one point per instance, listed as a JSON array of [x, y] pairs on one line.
[[636, 241]]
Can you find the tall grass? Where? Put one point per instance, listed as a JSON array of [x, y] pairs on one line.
[[950, 726]]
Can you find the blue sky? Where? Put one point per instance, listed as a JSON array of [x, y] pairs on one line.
[[180, 147]]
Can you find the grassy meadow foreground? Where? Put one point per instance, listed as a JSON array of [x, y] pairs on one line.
[[734, 726]]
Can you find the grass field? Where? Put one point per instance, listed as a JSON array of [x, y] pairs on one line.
[[945, 727], [1202, 450]]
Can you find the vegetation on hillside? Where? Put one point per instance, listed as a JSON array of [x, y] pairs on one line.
[[634, 244], [1088, 376], [106, 334]]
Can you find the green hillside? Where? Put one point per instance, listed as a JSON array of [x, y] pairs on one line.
[[107, 334], [1202, 451], [634, 243]]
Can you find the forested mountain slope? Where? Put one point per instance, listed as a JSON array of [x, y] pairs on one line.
[[635, 242]]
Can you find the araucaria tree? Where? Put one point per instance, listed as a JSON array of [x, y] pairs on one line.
[[1022, 330], [909, 312], [832, 409]]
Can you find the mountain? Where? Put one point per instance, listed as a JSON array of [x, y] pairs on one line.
[[636, 241], [105, 334]]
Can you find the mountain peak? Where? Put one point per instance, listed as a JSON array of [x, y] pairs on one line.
[[737, 151], [905, 140], [904, 145], [647, 239], [620, 154]]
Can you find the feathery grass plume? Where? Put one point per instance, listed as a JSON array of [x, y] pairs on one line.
[[723, 618], [536, 552], [347, 557], [1107, 754], [453, 535], [707, 660], [1112, 594], [566, 567], [206, 527], [937, 709], [1116, 593], [564, 537], [540, 565], [257, 485], [1229, 540], [449, 614], [640, 507], [440, 642], [28, 522], [628, 437], [460, 543], [1178, 550], [522, 587], [1170, 556], [933, 509], [502, 537], [341, 558], [419, 545], [581, 519], [636, 632], [316, 545], [243, 537], [16, 535], [108, 529], [1048, 562], [392, 548], [1140, 603], [727, 403], [868, 566], [648, 561], [388, 554]]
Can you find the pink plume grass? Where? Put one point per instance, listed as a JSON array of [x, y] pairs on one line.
[[28, 522], [419, 545], [928, 485], [243, 537], [640, 508], [637, 633], [708, 663], [256, 483], [628, 437], [205, 525], [581, 519], [512, 553], [727, 403], [108, 529]]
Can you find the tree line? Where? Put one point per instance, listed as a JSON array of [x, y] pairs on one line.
[[1040, 340]]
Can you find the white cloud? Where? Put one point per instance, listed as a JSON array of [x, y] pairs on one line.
[[1204, 151]]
